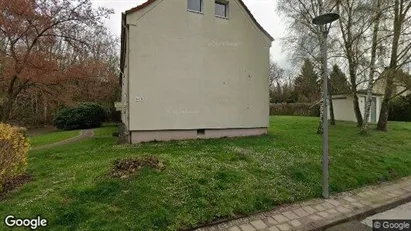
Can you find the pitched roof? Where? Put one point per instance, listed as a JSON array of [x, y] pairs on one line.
[[148, 2]]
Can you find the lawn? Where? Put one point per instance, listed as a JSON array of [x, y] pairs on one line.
[[204, 180], [51, 137]]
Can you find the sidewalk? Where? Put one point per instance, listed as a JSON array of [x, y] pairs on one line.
[[320, 214]]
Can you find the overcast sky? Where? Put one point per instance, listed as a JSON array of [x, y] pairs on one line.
[[263, 10]]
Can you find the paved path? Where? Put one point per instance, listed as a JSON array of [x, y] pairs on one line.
[[84, 134], [320, 214]]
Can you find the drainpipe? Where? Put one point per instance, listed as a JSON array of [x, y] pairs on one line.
[[127, 74]]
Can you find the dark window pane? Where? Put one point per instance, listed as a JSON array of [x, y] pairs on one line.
[[194, 5], [220, 9]]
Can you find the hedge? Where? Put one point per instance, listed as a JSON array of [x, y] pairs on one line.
[[83, 116], [400, 109], [295, 109]]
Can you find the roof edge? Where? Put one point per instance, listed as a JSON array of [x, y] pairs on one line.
[[255, 21], [149, 2], [123, 45], [139, 7]]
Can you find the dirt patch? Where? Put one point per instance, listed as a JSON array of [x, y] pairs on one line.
[[123, 168], [14, 184]]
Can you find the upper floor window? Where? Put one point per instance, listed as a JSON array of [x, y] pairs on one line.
[[221, 8], [195, 5]]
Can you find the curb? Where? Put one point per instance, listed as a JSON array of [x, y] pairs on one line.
[[361, 215]]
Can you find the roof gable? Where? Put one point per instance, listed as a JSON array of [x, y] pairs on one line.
[[149, 2]]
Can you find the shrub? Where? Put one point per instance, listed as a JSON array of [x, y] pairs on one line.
[[83, 116], [400, 109], [14, 149], [296, 109]]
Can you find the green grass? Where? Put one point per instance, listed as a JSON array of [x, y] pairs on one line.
[[52, 137], [107, 130], [204, 180]]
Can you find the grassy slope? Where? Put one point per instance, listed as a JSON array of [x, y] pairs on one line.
[[204, 180], [52, 137]]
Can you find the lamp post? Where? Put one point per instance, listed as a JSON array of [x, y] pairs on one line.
[[324, 21]]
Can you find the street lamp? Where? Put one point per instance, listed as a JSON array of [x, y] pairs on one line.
[[324, 21]]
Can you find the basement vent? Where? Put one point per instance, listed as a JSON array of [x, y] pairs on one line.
[[201, 132]]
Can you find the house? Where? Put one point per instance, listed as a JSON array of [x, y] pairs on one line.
[[344, 107], [193, 69], [343, 103], [401, 85]]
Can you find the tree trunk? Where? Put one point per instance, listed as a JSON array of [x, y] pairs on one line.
[[45, 110], [353, 79], [385, 106], [352, 63], [32, 103], [37, 104], [13, 91], [8, 101], [398, 22], [382, 122], [7, 106], [357, 110], [368, 101]]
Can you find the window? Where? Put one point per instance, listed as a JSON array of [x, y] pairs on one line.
[[221, 9], [195, 5]]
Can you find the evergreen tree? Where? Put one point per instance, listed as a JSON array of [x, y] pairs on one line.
[[338, 81], [306, 85]]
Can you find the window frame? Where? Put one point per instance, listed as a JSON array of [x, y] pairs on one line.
[[196, 11], [226, 5]]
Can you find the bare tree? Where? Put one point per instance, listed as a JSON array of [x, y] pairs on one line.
[[400, 54], [30, 29], [305, 37], [279, 89], [354, 23], [276, 75], [376, 27]]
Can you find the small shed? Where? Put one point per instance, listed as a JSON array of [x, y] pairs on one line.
[[344, 107]]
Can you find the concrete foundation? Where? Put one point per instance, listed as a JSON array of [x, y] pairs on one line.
[[168, 135]]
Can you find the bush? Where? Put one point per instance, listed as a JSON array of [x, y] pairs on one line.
[[295, 109], [400, 109], [14, 149], [83, 116]]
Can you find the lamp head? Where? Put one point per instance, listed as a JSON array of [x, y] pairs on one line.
[[326, 18]]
